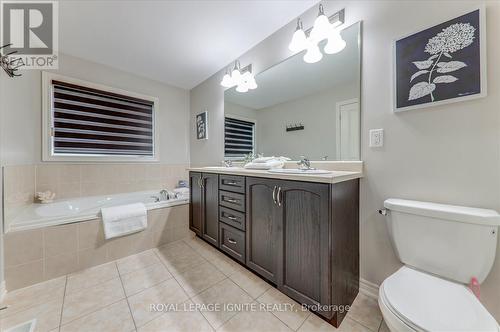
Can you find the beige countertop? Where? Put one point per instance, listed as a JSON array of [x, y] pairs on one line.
[[334, 176]]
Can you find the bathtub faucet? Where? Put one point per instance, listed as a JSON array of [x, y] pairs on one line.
[[166, 195]]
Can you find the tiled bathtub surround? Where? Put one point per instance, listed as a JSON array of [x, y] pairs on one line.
[[41, 254], [79, 180]]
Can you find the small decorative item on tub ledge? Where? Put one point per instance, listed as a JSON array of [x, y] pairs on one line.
[[45, 197], [293, 127]]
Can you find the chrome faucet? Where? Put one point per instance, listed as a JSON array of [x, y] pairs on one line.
[[166, 195], [228, 163], [304, 163]]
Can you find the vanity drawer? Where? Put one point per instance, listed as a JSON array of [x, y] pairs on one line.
[[232, 241], [232, 183], [232, 200], [231, 217]]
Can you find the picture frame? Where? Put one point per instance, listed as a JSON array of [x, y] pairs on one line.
[[202, 125], [442, 64]]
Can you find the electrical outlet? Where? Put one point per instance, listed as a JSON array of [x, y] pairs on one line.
[[376, 138]]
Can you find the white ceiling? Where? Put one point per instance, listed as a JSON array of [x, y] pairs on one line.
[[181, 43]]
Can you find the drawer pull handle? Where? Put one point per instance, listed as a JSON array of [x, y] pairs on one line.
[[231, 200], [232, 218], [232, 183], [231, 241]]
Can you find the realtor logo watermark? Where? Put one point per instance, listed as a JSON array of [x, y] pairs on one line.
[[31, 29]]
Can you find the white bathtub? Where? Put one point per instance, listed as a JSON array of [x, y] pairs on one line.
[[84, 208]]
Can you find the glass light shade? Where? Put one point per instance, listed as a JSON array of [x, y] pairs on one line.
[[335, 43], [227, 82], [321, 28], [299, 41], [246, 76], [243, 87], [252, 84], [313, 54], [236, 76]]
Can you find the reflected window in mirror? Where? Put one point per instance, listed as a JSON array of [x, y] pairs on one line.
[[239, 137]]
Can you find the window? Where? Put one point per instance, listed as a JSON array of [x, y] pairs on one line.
[[90, 122], [238, 137]]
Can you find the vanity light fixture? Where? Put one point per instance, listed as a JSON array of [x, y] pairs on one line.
[[299, 39], [324, 28], [242, 78], [321, 27]]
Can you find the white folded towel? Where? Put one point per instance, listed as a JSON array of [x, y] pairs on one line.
[[124, 219]]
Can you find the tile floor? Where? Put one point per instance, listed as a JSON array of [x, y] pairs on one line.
[[189, 276]]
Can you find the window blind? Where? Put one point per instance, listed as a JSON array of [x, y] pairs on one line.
[[238, 137], [89, 121]]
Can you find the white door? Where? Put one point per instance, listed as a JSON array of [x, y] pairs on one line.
[[348, 130]]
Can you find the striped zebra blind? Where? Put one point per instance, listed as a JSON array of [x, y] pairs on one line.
[[238, 137], [89, 121]]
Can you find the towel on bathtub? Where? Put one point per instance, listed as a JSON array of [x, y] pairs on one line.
[[124, 219]]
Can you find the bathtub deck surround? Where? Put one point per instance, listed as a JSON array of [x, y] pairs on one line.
[[72, 210], [21, 182], [116, 296]]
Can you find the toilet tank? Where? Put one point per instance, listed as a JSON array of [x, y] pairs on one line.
[[453, 242]]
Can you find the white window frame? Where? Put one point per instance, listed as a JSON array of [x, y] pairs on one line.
[[47, 121], [242, 118]]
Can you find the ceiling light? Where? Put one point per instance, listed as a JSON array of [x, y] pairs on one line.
[[313, 54], [335, 43], [299, 39], [321, 27]]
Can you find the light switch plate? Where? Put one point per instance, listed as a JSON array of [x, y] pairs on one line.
[[376, 138]]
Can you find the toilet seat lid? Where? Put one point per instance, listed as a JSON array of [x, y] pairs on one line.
[[434, 304]]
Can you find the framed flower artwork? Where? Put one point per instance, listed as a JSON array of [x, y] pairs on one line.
[[442, 64]]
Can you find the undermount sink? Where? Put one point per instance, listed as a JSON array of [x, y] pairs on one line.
[[223, 168], [298, 171]]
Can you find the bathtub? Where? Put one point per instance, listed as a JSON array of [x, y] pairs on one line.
[[84, 208]]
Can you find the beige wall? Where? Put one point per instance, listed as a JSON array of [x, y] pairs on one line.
[[448, 154], [21, 115]]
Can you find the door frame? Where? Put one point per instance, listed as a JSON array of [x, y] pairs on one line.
[[338, 105]]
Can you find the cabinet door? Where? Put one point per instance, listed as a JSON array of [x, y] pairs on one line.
[[210, 206], [195, 206], [304, 265], [261, 227]]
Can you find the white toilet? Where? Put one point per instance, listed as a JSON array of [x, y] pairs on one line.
[[443, 247]]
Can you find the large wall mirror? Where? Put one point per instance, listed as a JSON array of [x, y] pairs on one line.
[[299, 108]]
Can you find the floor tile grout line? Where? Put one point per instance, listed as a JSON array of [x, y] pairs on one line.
[[100, 308], [380, 325], [126, 297], [62, 305]]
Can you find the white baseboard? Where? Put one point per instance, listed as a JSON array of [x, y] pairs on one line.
[[3, 290], [368, 288]]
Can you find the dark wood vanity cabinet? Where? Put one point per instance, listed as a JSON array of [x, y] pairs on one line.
[[262, 227], [204, 207], [303, 241], [301, 236], [304, 237]]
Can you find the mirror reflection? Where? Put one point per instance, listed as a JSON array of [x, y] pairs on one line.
[[300, 109]]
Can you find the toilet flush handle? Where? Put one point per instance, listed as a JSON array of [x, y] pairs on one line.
[[383, 212]]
